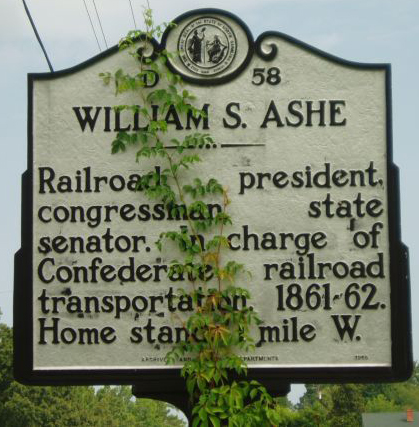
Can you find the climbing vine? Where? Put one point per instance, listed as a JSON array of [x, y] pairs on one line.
[[217, 330]]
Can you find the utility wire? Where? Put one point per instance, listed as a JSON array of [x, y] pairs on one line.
[[100, 23], [132, 13], [91, 23], [37, 35]]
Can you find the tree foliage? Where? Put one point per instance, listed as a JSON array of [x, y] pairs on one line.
[[342, 405], [22, 405]]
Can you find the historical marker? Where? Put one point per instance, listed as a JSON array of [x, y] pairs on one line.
[[303, 140]]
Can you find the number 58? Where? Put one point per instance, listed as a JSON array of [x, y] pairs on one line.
[[271, 76]]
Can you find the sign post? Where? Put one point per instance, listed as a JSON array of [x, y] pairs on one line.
[[303, 140]]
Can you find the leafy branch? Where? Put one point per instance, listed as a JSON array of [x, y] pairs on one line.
[[220, 325]]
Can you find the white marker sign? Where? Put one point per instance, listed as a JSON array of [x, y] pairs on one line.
[[302, 139]]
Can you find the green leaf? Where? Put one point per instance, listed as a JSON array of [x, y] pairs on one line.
[[215, 421], [203, 415]]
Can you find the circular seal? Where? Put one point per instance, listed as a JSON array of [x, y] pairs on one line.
[[207, 46]]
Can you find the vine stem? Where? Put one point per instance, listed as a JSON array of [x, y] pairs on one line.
[[217, 258], [213, 348], [182, 199], [213, 330]]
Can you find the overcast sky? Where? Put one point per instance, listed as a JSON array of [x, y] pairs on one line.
[[358, 30]]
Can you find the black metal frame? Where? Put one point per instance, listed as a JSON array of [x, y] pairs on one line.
[[149, 381]]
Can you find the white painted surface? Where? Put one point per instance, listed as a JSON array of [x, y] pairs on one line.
[[60, 144]]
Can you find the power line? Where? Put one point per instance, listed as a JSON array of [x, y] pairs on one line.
[[132, 13], [100, 23], [37, 35], [91, 23]]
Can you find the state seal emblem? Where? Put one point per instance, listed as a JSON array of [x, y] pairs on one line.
[[207, 46]]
